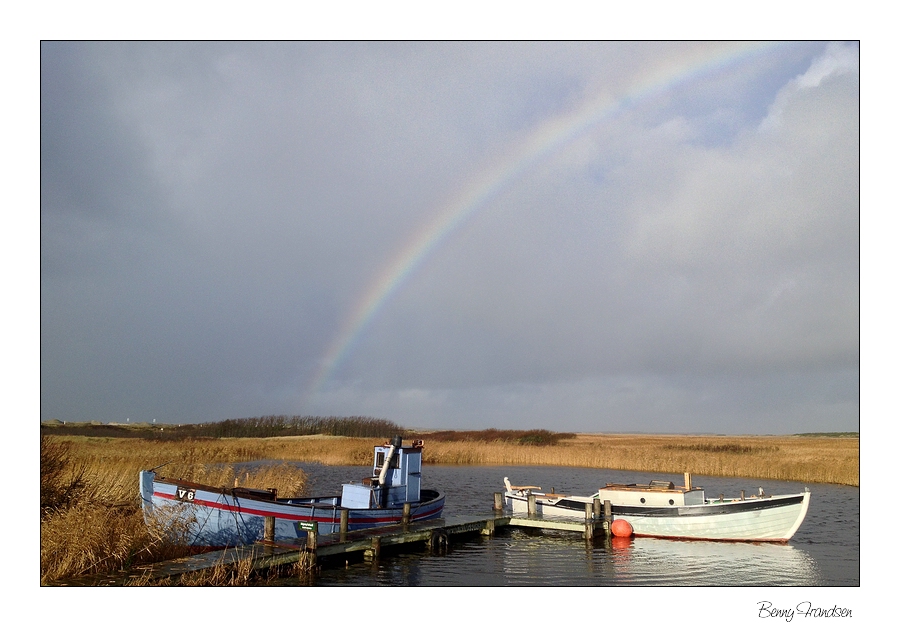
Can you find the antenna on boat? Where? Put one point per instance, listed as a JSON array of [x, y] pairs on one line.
[[160, 466]]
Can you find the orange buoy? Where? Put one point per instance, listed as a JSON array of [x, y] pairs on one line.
[[621, 528]]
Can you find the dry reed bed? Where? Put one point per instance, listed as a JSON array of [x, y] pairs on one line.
[[100, 528], [801, 459], [794, 458]]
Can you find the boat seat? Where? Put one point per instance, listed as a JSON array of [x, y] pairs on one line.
[[258, 494]]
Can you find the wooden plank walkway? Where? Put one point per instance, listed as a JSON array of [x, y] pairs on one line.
[[369, 542]]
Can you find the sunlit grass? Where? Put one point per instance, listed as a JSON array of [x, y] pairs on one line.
[[807, 459], [98, 527], [794, 458]]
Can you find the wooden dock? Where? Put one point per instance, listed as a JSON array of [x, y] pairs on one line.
[[436, 534]]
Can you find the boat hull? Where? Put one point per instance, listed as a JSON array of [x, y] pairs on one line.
[[765, 519], [201, 515]]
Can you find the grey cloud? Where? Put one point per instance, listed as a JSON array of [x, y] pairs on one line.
[[212, 214]]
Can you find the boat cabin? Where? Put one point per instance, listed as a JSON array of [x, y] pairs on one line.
[[396, 478], [656, 493]]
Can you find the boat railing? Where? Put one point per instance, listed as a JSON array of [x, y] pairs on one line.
[[654, 485]]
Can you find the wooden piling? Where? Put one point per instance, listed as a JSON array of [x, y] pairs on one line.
[[406, 510], [498, 501], [438, 540], [269, 529], [589, 521], [532, 504], [311, 538], [345, 523], [607, 515]]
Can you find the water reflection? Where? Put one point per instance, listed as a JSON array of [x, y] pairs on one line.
[[535, 559], [824, 552], [652, 562]]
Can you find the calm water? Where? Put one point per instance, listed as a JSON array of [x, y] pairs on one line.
[[824, 552]]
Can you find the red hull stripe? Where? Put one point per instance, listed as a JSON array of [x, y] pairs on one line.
[[354, 519]]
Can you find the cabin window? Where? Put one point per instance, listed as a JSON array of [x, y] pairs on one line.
[[379, 460]]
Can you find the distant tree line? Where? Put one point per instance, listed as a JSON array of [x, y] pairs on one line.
[[96, 429], [537, 437], [270, 426], [255, 427]]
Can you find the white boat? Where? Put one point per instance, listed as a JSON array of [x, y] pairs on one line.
[[661, 509]]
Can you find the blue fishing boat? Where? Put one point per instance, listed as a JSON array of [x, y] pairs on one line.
[[203, 515]]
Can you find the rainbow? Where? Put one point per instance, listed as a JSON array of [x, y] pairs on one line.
[[544, 141]]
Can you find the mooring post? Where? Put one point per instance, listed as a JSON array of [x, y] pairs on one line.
[[598, 508], [607, 516], [374, 550], [311, 534], [406, 510], [498, 501], [532, 504], [588, 521], [345, 523], [269, 530]]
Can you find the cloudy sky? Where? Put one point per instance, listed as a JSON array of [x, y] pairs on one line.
[[579, 236]]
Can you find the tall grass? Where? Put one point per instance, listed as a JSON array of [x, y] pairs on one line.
[[62, 481], [98, 526]]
